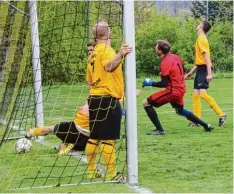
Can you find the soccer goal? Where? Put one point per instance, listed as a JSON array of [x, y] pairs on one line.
[[43, 59]]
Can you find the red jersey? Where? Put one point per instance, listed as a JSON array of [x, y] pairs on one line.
[[172, 67]]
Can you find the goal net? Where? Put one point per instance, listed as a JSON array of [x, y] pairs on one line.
[[64, 30]]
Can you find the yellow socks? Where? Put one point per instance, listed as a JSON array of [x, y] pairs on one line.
[[108, 155], [37, 132], [196, 105], [91, 151], [212, 103], [209, 100]]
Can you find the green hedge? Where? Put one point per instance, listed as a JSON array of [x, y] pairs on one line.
[[182, 35]]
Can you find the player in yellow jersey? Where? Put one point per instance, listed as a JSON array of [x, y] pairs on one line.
[[203, 74], [104, 72], [74, 134], [90, 47]]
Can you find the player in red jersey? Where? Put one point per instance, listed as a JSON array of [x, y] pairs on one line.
[[172, 79]]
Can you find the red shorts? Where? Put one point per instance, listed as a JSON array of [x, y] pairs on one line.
[[175, 98]]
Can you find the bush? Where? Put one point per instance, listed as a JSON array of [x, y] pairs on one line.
[[221, 43], [182, 35]]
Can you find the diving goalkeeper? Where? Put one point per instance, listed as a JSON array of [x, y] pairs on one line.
[[74, 134]]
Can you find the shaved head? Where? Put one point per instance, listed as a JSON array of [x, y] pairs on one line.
[[101, 30]]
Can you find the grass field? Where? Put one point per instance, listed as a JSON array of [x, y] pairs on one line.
[[185, 160]]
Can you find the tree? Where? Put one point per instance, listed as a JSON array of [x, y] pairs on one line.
[[226, 8], [217, 10], [182, 36], [144, 13]]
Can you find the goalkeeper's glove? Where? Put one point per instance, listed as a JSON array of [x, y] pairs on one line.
[[148, 82]]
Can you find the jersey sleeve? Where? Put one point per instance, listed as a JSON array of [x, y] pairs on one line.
[[203, 45], [108, 54], [164, 69]]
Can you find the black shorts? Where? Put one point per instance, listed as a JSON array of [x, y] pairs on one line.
[[104, 117], [68, 133], [200, 81]]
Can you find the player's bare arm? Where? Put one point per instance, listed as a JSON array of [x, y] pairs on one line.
[[208, 66], [89, 85], [189, 74], [116, 60]]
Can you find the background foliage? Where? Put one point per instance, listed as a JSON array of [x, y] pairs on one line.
[[182, 35], [150, 27], [217, 10], [65, 30]]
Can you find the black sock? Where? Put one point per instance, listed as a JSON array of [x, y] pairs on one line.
[[195, 119], [153, 117]]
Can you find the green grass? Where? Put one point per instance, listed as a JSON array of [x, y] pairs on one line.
[[185, 160], [188, 159]]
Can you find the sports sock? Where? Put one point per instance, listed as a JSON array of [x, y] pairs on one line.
[[108, 155], [91, 151], [37, 132], [212, 103], [196, 105], [190, 116], [153, 117]]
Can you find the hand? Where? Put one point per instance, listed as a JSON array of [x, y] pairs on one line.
[[209, 77], [125, 49], [147, 82], [189, 74], [138, 92]]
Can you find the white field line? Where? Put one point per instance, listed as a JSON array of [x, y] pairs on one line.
[[205, 110], [75, 154], [14, 127], [62, 185], [78, 155], [101, 168], [139, 189]]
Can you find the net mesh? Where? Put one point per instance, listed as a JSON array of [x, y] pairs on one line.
[[64, 31]]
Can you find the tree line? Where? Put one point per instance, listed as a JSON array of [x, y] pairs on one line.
[[65, 29], [182, 35]]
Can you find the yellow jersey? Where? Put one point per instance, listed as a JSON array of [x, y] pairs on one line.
[[202, 46], [104, 83], [81, 120]]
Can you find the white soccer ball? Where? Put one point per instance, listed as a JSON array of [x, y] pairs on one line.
[[23, 145]]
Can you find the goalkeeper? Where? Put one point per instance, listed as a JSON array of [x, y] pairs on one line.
[[74, 134], [172, 79]]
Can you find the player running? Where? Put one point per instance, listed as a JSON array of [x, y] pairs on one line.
[[172, 79]]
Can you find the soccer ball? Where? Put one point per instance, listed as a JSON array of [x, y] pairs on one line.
[[23, 145]]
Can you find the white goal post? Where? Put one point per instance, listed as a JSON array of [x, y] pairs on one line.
[[131, 105], [38, 100]]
